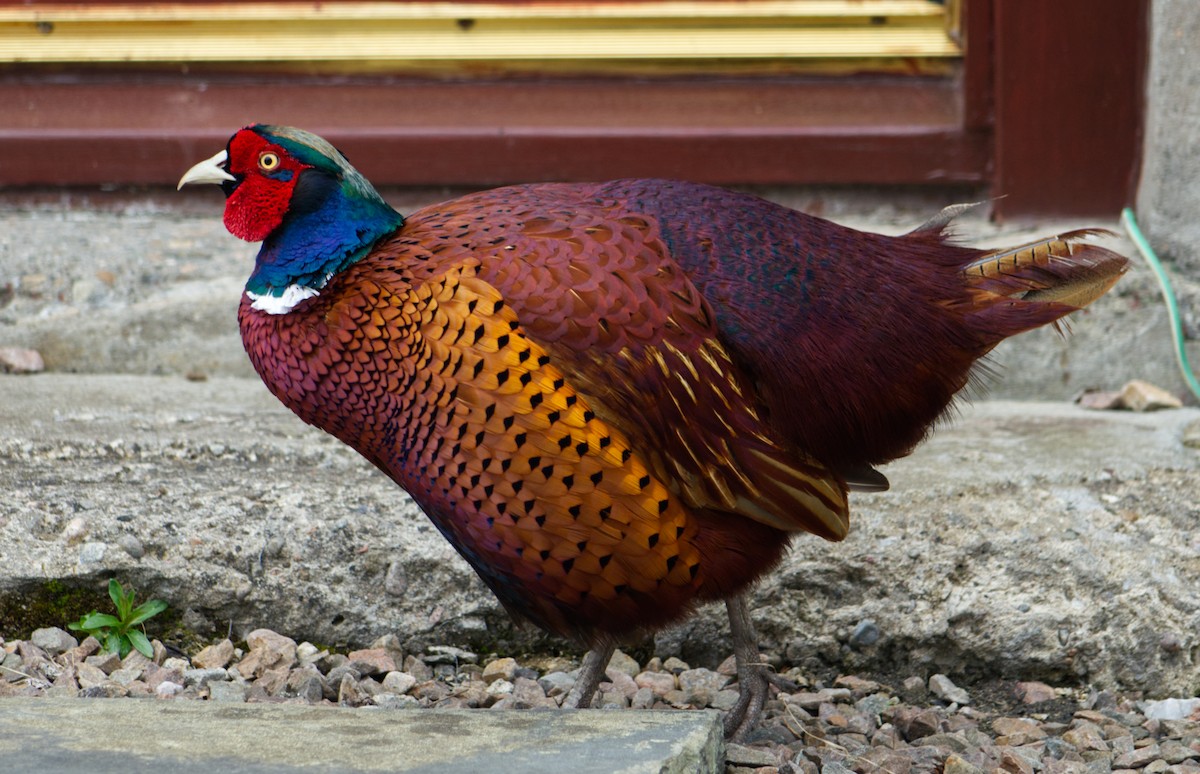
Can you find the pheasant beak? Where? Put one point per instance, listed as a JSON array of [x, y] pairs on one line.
[[208, 171]]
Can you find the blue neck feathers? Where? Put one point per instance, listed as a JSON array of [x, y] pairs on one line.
[[330, 224]]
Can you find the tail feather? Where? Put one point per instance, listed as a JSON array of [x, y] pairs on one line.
[[1061, 269]]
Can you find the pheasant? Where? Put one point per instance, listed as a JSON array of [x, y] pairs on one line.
[[618, 400]]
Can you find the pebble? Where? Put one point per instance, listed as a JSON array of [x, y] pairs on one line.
[[944, 688], [855, 724], [132, 546], [214, 656], [372, 661], [499, 669], [1034, 692], [622, 662], [18, 360], [53, 640]]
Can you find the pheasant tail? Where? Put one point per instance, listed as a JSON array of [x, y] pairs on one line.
[[1059, 269]]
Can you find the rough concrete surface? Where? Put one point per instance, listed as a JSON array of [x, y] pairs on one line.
[[105, 737], [1169, 190], [1025, 540]]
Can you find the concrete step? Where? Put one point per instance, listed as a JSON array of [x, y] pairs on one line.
[[70, 736]]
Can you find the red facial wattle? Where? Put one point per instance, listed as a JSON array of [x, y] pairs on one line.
[[267, 177]]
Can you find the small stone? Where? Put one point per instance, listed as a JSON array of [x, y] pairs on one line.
[[308, 654], [135, 659], [913, 689], [417, 668], [93, 552], [1085, 736], [725, 699], [700, 685], [658, 682], [856, 685], [741, 755], [956, 741], [1012, 761], [132, 546], [398, 683], [89, 675], [1138, 395], [106, 690], [1170, 709], [556, 683], [176, 663], [53, 640], [1174, 752], [622, 662], [620, 683], [105, 661], [307, 684], [167, 689], [728, 667], [391, 643], [813, 700], [500, 688], [86, 648], [349, 694], [499, 669], [1136, 758], [214, 656], [125, 677], [642, 699], [226, 692], [395, 702], [395, 580], [944, 688], [865, 634], [18, 360], [1156, 767], [675, 666], [1016, 731], [956, 764], [917, 723], [448, 654], [372, 661], [265, 639], [1034, 692], [528, 692], [202, 677], [1191, 435], [473, 693], [155, 675]]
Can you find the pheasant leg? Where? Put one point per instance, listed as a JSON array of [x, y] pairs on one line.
[[754, 679], [591, 672]]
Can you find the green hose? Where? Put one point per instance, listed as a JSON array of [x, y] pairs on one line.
[[1164, 283]]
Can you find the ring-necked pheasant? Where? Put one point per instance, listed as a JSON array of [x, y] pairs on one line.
[[618, 400]]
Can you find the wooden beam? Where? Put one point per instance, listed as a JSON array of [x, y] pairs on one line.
[[95, 129], [1069, 83]]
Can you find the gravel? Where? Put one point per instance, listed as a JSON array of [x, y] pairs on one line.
[[852, 724]]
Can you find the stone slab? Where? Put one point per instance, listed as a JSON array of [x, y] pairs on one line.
[[68, 736]]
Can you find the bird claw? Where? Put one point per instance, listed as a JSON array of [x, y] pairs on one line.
[[754, 688]]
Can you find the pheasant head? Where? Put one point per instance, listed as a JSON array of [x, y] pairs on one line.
[[299, 196]]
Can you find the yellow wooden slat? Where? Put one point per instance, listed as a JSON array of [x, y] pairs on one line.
[[892, 11], [204, 42], [411, 34]]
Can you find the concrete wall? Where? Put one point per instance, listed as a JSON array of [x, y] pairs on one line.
[[1168, 204]]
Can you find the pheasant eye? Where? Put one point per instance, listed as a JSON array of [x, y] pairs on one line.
[[268, 161]]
